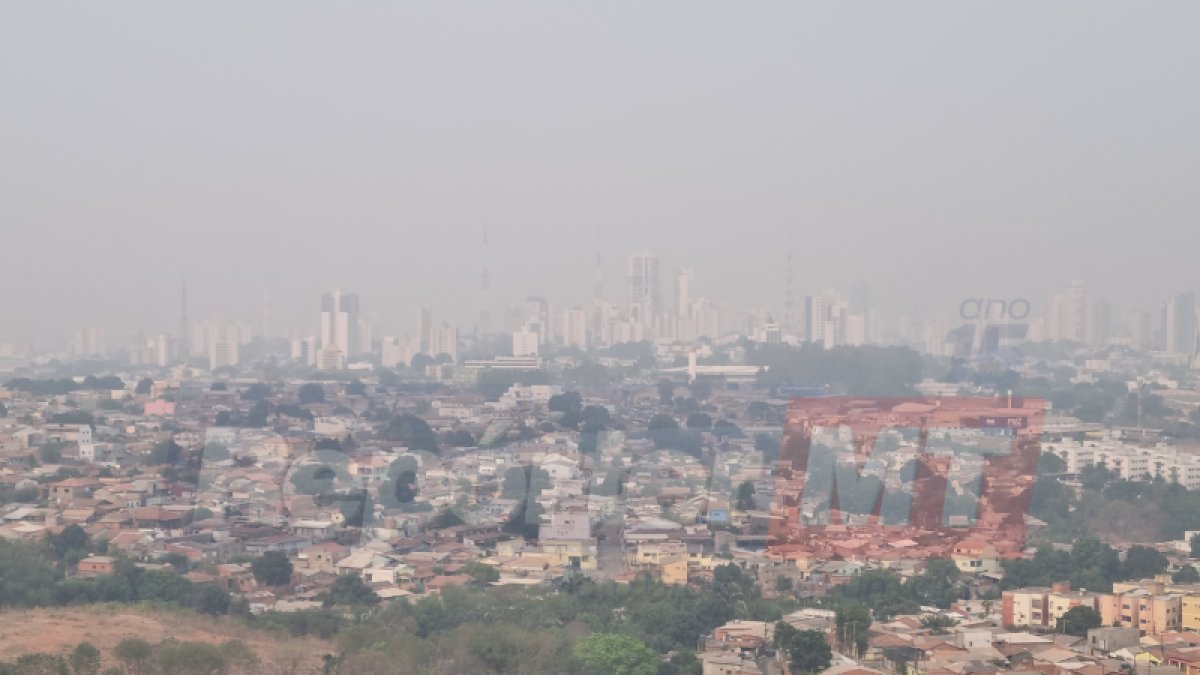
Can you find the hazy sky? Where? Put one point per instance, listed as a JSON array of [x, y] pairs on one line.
[[934, 149]]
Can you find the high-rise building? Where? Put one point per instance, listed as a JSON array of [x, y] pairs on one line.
[[396, 352], [645, 298], [1101, 323], [444, 340], [683, 292], [525, 343], [537, 318], [772, 333], [1068, 315], [575, 328], [1180, 328], [304, 350], [87, 342], [223, 352], [856, 330], [162, 350], [341, 323], [424, 328]]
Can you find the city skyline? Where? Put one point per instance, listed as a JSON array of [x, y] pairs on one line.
[[833, 141]]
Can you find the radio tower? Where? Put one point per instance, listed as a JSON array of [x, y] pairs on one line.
[[485, 315], [185, 343]]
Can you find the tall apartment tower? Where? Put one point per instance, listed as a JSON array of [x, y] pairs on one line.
[[645, 297], [1068, 317], [444, 340], [341, 324], [683, 292], [1180, 328], [424, 329], [575, 328]]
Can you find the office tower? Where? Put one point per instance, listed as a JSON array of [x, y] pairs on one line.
[[330, 357], [860, 305], [1180, 328], [304, 350], [352, 340], [396, 352], [856, 330], [87, 342], [603, 314], [444, 340], [1143, 328], [645, 299], [162, 350], [683, 292], [223, 352], [424, 328], [575, 328], [772, 333], [142, 355], [1068, 315], [1101, 323], [525, 343], [341, 323], [706, 319], [537, 318]]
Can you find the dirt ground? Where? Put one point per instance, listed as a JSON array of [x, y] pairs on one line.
[[58, 630]]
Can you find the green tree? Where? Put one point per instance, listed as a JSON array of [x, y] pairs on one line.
[[72, 538], [522, 481], [412, 431], [938, 624], [460, 438], [190, 658], [50, 453], [272, 569], [745, 497], [257, 416], [26, 578], [349, 589], [1143, 563], [807, 650], [1050, 463], [614, 654], [356, 388], [663, 430], [1186, 575], [853, 623], [311, 392], [482, 573], [566, 402], [445, 518], [134, 654], [594, 418], [1079, 620], [167, 452], [682, 662], [85, 659]]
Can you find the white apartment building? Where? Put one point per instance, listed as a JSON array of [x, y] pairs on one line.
[[525, 343], [575, 328], [1131, 462], [444, 340]]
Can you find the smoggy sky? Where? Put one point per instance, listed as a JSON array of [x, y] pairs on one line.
[[935, 150]]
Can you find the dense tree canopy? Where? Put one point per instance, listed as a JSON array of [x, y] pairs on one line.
[[272, 569]]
